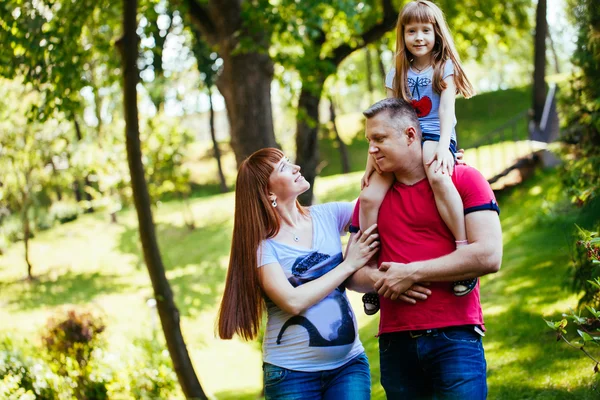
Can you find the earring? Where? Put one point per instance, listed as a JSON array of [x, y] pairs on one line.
[[274, 203]]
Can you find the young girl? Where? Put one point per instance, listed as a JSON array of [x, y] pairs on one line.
[[428, 74]]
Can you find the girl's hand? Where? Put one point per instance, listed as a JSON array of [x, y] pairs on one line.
[[445, 160], [371, 167], [460, 154], [362, 247]]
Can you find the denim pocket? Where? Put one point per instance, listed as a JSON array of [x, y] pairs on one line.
[[465, 335], [385, 343], [274, 374]]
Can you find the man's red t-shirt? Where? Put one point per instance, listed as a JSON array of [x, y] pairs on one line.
[[411, 229]]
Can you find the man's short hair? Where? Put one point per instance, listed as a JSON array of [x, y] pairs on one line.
[[397, 109]]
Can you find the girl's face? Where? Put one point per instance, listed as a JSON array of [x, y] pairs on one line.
[[419, 39], [286, 182]]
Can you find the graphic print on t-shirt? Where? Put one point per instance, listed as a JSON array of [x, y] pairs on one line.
[[336, 330], [422, 105]]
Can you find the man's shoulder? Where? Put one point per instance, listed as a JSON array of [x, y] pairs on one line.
[[466, 175]]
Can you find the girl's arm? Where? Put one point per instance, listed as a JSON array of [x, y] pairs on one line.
[[295, 300], [446, 113], [389, 92]]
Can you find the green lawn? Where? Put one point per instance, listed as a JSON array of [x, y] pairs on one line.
[[92, 263]]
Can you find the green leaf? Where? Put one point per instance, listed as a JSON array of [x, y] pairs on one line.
[[586, 336]]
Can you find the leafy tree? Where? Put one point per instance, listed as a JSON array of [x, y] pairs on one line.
[[26, 151], [206, 62], [241, 34], [167, 310]]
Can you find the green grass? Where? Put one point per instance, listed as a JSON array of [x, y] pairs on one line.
[[92, 263]]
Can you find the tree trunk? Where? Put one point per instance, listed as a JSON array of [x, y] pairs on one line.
[[307, 133], [312, 86], [217, 152], [341, 145], [369, 73], [87, 183], [169, 315], [539, 72], [245, 80], [380, 65], [245, 83], [26, 235]]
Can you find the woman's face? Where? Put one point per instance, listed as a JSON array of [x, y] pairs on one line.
[[286, 181]]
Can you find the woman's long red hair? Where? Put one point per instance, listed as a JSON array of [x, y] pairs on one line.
[[255, 220]]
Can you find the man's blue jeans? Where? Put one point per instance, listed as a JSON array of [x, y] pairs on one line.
[[445, 364], [351, 381]]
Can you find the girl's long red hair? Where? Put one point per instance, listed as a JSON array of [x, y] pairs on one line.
[[255, 220], [423, 11]]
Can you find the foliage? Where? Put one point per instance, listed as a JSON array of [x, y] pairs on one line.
[[580, 106], [64, 211], [163, 147], [25, 377], [71, 341], [145, 373], [587, 328], [586, 267]]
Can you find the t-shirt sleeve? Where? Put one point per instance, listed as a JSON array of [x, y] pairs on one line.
[[389, 79], [448, 69], [355, 225], [265, 254], [342, 212], [474, 189]]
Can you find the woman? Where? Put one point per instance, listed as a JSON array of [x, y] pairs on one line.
[[289, 258]]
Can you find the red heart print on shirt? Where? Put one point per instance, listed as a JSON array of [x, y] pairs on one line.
[[422, 106]]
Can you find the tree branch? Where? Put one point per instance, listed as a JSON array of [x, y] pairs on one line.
[[201, 19], [371, 35]]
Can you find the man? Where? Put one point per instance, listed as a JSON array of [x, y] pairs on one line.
[[430, 348]]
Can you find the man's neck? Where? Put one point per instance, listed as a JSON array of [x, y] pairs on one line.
[[412, 175]]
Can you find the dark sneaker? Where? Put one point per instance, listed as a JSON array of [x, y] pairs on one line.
[[370, 303], [465, 287]]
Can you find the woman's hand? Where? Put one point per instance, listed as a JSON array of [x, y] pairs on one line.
[[362, 247], [444, 158]]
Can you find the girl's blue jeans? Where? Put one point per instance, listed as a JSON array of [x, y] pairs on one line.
[[351, 381]]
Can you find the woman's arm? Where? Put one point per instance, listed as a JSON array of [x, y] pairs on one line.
[[295, 300]]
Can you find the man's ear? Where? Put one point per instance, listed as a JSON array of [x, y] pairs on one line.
[[411, 134]]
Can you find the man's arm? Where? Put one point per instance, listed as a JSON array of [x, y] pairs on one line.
[[482, 256]]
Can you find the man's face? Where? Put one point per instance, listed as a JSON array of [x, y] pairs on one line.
[[387, 141]]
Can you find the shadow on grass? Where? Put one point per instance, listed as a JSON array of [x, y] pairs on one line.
[[233, 395], [68, 288], [195, 261]]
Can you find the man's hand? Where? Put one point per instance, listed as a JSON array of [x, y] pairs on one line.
[[396, 281], [414, 293]]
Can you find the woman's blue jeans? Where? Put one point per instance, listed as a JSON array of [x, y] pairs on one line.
[[351, 381], [445, 364]]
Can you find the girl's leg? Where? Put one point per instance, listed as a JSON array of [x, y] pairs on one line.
[[447, 199], [450, 207], [371, 198]]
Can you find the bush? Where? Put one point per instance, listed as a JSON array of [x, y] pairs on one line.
[[23, 377], [64, 211], [70, 342], [586, 267]]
